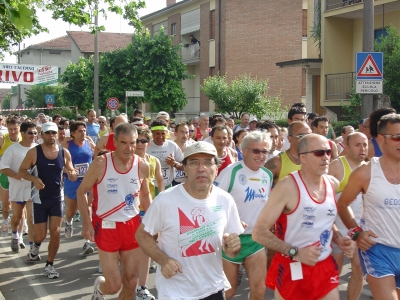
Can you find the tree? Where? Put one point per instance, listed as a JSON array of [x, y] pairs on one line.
[[149, 64], [18, 18], [390, 46], [6, 102], [35, 96], [78, 84], [158, 70], [244, 94]]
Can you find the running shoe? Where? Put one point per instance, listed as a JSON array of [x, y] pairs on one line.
[[21, 244], [96, 294], [15, 245], [152, 265], [87, 249], [77, 217], [100, 268], [25, 230], [51, 272], [4, 229], [68, 230], [33, 258], [143, 293]]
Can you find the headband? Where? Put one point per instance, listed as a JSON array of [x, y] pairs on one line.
[[159, 128]]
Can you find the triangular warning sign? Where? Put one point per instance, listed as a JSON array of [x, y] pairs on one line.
[[369, 68]]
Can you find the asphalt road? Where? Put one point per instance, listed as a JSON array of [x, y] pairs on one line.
[[21, 280]]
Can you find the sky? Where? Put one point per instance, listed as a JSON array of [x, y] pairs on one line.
[[58, 28]]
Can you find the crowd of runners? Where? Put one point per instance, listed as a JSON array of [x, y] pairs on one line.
[[209, 199]]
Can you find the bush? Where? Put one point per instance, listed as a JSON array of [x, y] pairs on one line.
[[282, 123], [338, 125]]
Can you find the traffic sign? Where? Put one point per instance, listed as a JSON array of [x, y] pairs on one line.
[[19, 106], [112, 103], [49, 106], [49, 99], [134, 94], [369, 65]]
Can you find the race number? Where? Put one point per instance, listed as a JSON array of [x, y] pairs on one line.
[[81, 169]]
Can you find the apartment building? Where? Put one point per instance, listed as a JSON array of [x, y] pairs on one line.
[[237, 37]]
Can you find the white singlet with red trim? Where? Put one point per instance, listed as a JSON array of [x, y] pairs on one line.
[[311, 221], [116, 196], [382, 207]]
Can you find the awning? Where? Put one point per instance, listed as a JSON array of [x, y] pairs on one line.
[[190, 21], [301, 63]]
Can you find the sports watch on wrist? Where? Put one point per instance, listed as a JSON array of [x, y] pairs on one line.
[[293, 251]]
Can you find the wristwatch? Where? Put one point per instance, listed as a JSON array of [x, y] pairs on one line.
[[293, 251]]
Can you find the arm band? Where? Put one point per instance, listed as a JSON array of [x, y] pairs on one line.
[[354, 232]]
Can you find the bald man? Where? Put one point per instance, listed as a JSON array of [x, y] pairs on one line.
[[304, 219], [106, 142]]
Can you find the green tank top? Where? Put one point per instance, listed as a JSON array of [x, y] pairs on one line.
[[287, 166], [7, 143]]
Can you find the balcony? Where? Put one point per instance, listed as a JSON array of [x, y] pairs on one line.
[[339, 86], [190, 54], [333, 4]]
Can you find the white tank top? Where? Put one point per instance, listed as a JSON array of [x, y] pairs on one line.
[[116, 195], [382, 207], [311, 222]]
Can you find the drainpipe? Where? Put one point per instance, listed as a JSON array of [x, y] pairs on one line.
[[219, 35]]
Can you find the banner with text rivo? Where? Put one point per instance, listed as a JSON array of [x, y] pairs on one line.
[[28, 74]]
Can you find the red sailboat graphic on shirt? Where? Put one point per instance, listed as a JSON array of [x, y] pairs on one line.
[[195, 233]]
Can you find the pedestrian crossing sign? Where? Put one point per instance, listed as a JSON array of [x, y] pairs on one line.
[[369, 65]]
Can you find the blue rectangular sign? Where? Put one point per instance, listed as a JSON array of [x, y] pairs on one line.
[[369, 65], [49, 99]]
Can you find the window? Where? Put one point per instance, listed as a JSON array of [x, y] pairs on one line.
[[380, 32], [173, 29]]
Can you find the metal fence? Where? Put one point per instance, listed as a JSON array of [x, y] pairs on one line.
[[339, 85], [332, 4]]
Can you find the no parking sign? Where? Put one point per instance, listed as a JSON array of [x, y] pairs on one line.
[[112, 103]]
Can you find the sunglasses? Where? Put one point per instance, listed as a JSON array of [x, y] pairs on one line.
[[142, 141], [393, 137], [191, 130], [31, 132], [320, 152], [101, 121], [258, 151], [50, 132]]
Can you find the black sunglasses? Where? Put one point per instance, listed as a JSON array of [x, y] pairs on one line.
[[319, 152], [31, 132], [50, 132], [142, 141]]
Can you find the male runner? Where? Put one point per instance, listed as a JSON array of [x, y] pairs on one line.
[[302, 267], [321, 127], [341, 168], [19, 189], [378, 239], [249, 183], [118, 179], [92, 128], [7, 140], [182, 140], [341, 146], [196, 220], [227, 155], [107, 142], [48, 161]]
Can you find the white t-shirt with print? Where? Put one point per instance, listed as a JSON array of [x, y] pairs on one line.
[[162, 152], [191, 232], [250, 189]]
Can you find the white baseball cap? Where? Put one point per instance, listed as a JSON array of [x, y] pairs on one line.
[[49, 126], [253, 119], [163, 114], [200, 147]]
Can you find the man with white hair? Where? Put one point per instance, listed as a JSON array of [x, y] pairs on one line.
[[249, 183]]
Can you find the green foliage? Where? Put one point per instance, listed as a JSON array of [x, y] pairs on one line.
[[6, 102], [19, 20], [78, 84], [316, 31], [35, 96], [149, 64], [338, 125], [390, 46], [158, 71], [244, 94], [353, 108]]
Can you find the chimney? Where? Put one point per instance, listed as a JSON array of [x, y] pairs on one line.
[[170, 2]]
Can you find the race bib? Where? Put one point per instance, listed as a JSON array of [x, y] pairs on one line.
[[179, 174], [108, 224], [81, 169], [165, 174]]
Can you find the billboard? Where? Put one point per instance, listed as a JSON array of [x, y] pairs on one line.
[[28, 74]]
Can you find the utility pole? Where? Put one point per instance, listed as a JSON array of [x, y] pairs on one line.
[[19, 62], [96, 61], [368, 46]]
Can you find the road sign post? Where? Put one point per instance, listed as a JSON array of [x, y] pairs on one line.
[[49, 99], [131, 94]]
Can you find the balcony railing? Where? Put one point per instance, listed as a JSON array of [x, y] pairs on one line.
[[332, 4], [191, 53], [339, 85]]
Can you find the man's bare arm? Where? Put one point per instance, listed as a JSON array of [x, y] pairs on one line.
[[274, 165], [101, 145], [144, 194], [159, 177]]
